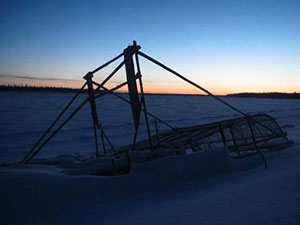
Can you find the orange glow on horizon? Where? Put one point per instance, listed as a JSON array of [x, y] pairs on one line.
[[159, 88]]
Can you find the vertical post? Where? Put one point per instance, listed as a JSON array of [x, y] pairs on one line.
[[88, 77], [143, 103], [234, 141], [255, 144], [222, 135], [157, 134], [132, 87], [103, 140], [96, 139]]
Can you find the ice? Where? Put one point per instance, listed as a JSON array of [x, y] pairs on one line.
[[24, 116], [205, 187]]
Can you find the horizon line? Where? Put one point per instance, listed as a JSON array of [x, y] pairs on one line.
[[60, 88]]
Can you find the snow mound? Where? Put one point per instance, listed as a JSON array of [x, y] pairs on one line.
[[31, 169], [158, 165], [200, 164], [200, 188]]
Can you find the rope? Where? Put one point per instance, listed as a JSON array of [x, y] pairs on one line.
[[127, 101], [190, 82], [55, 121], [69, 118], [106, 64]]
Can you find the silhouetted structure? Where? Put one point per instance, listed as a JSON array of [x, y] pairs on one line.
[[242, 136]]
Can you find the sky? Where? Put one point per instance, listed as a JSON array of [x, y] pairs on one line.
[[225, 46]]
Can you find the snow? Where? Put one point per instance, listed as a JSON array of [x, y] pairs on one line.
[[197, 188], [25, 116], [201, 188]]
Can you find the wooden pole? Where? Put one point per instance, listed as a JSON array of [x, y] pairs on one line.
[[157, 134], [222, 135], [255, 143], [112, 74], [143, 103], [33, 153], [127, 101], [89, 79], [54, 122], [234, 141], [106, 64], [132, 87], [189, 81], [96, 139]]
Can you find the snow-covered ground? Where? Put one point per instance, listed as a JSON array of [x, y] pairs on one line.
[[201, 188], [25, 116]]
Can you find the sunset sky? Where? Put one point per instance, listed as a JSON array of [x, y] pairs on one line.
[[225, 46]]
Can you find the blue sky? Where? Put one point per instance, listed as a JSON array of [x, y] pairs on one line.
[[226, 46]]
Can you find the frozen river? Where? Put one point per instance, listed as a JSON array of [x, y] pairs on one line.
[[206, 187], [26, 115]]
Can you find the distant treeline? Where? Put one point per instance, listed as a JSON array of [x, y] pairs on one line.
[[64, 89], [267, 95], [35, 88]]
